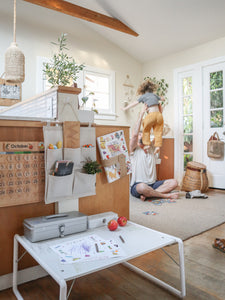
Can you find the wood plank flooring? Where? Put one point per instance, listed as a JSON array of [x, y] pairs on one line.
[[204, 269]]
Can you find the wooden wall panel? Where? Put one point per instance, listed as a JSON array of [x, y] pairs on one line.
[[166, 169], [109, 196], [11, 218]]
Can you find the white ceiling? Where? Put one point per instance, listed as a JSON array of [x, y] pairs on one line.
[[164, 26]]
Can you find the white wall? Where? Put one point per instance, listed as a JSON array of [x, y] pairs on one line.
[[164, 68], [38, 26]]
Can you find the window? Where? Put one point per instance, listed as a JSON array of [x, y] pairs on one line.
[[187, 100], [99, 86], [41, 82], [216, 99]]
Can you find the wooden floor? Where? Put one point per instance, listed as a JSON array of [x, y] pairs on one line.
[[204, 268]]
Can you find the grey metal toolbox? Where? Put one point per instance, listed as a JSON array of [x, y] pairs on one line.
[[52, 226]]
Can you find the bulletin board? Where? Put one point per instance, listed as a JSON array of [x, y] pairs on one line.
[[110, 146], [9, 93], [22, 173]]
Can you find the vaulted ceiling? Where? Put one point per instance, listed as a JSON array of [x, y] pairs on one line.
[[163, 26]]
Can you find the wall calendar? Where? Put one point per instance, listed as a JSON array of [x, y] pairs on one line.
[[22, 173]]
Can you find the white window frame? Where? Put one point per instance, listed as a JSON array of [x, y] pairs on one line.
[[198, 94], [40, 77], [102, 114]]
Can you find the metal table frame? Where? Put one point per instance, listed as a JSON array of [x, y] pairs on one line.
[[110, 262]]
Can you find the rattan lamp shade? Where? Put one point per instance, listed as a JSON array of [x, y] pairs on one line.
[[14, 64], [14, 59]]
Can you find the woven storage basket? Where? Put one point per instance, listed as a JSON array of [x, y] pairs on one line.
[[195, 177]]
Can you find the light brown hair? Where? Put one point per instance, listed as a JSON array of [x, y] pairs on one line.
[[146, 86]]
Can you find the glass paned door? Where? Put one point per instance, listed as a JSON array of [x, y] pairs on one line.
[[214, 113]]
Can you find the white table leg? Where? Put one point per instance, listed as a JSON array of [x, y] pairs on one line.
[[15, 269], [161, 283], [63, 290], [181, 263]]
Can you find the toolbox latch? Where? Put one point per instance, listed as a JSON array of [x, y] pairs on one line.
[[61, 230]]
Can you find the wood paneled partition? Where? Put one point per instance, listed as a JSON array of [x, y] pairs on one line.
[[109, 196]]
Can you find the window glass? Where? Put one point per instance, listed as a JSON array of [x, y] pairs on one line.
[[187, 86], [187, 105], [188, 143], [216, 118], [187, 119], [98, 87], [216, 99], [216, 80], [187, 158], [188, 124]]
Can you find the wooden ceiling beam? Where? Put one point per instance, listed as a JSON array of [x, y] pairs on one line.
[[85, 14]]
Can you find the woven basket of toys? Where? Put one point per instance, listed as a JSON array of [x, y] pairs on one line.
[[195, 177]]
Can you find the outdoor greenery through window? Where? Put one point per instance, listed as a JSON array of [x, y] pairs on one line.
[[216, 99], [98, 91], [187, 119]]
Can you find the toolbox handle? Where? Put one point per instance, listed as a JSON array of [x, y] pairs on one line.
[[56, 216]]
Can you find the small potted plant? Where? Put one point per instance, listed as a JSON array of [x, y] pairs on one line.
[[85, 99], [92, 167], [62, 69]]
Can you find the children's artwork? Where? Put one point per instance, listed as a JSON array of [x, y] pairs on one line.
[[88, 248], [111, 146]]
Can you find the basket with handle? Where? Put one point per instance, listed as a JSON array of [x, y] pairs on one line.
[[215, 147], [195, 177]]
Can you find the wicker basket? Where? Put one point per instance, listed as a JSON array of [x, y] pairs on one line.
[[195, 178]]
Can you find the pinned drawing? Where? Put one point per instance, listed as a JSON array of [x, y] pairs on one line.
[[114, 155]]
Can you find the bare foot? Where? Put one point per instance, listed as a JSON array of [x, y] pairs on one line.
[[172, 195], [147, 147], [142, 198]]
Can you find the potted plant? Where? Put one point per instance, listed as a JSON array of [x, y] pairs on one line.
[[162, 88], [92, 167], [62, 69]]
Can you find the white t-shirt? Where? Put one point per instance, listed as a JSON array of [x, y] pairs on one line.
[[143, 166]]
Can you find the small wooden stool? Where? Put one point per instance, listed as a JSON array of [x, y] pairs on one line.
[[195, 177]]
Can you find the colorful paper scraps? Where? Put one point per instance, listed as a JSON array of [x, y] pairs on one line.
[[161, 201], [150, 213]]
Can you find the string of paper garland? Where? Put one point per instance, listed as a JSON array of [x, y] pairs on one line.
[[14, 59]]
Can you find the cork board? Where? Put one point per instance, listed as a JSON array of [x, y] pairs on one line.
[[9, 93], [22, 173]]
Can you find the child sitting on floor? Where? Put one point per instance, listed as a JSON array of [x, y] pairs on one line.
[[154, 118]]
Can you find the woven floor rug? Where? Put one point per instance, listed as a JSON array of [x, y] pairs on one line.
[[182, 217]]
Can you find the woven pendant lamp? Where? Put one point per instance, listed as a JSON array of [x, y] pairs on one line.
[[14, 59]]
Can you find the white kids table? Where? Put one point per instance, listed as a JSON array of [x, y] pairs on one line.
[[138, 240]]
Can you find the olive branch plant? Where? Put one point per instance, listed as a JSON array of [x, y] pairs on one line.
[[62, 69]]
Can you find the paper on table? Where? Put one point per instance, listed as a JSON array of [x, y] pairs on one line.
[[88, 248]]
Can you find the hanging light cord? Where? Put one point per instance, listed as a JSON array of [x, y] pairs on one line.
[[14, 23]]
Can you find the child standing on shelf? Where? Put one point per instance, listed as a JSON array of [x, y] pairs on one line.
[[154, 118]]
